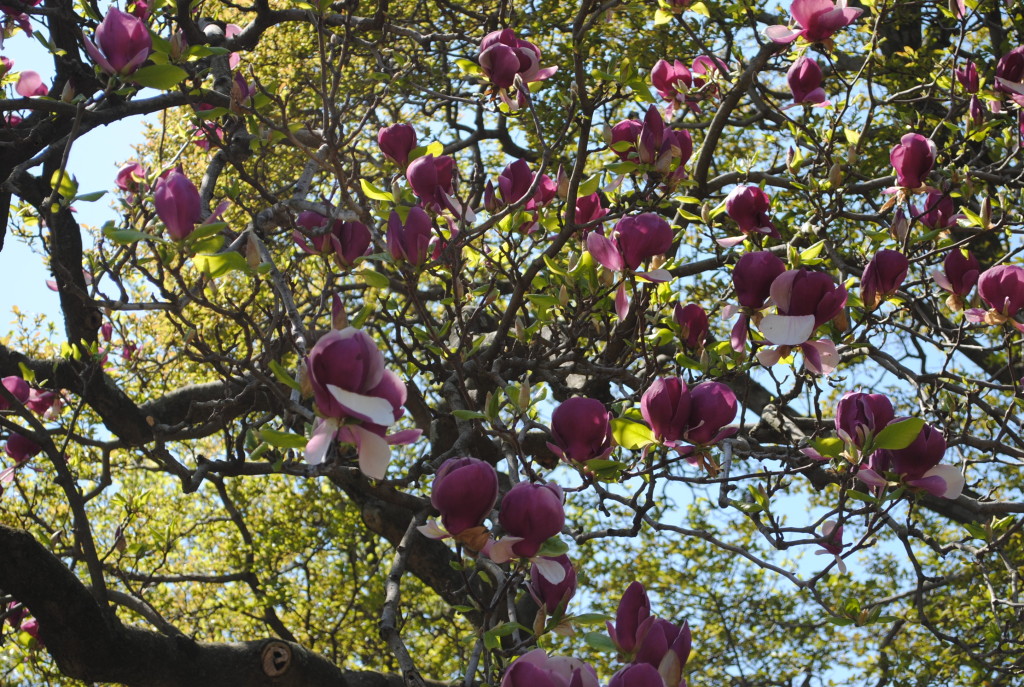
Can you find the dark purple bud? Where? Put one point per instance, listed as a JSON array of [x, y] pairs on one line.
[[804, 79], [410, 240], [503, 55], [968, 77], [122, 43], [21, 448], [693, 325], [553, 597], [464, 492], [177, 204], [859, 415], [624, 139], [641, 237], [667, 648], [938, 211], [913, 159], [1002, 289], [712, 407], [533, 512], [589, 209], [1010, 68], [665, 406], [396, 142], [882, 277], [753, 276], [632, 619], [581, 430], [18, 388], [748, 206], [637, 675], [431, 178], [961, 272]]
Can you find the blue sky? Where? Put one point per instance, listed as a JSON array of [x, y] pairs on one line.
[[94, 161]]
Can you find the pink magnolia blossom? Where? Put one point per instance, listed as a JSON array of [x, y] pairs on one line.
[[816, 21], [122, 43], [913, 158], [178, 204], [959, 275], [693, 325], [581, 430], [679, 415], [532, 513], [1002, 289], [805, 300], [410, 240], [537, 669], [882, 277], [30, 84], [917, 465], [804, 78], [1010, 74], [397, 142], [860, 416], [748, 206], [551, 596], [345, 241], [464, 493]]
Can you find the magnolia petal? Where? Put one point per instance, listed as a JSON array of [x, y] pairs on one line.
[[945, 481], [621, 301], [731, 241], [769, 356], [975, 315], [942, 280], [7, 476], [501, 551], [730, 310], [1013, 86], [605, 251], [781, 34], [787, 330], [320, 441], [812, 454], [656, 276], [433, 531], [871, 478], [371, 408], [820, 357], [738, 337], [374, 452], [406, 436], [550, 569]]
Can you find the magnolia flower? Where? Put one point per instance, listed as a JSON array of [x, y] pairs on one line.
[[553, 597], [122, 43], [938, 211], [537, 669], [913, 158], [804, 79], [959, 275], [832, 534], [410, 240], [805, 300], [17, 387], [752, 278], [356, 397], [882, 277], [178, 204], [1010, 74], [861, 416], [748, 206], [30, 84], [1002, 289], [816, 20], [397, 142], [679, 415], [503, 57], [635, 239], [464, 493], [666, 647], [581, 430], [345, 241], [917, 465], [632, 619], [532, 514], [693, 325]]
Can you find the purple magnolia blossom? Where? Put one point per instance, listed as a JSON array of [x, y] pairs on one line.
[[17, 387], [634, 240], [752, 278], [860, 416], [917, 465], [672, 80], [698, 416], [937, 211], [652, 143], [1010, 74], [396, 142], [638, 675], [666, 647], [804, 79], [1002, 289], [346, 241], [503, 56], [514, 183], [805, 300], [961, 271], [816, 20], [913, 159], [178, 204], [410, 240], [130, 178], [122, 43], [464, 492], [832, 534], [968, 77], [20, 448], [590, 210], [748, 206], [46, 404], [678, 84], [553, 597], [533, 513], [431, 179], [537, 669], [882, 277], [632, 619], [581, 430], [693, 325]]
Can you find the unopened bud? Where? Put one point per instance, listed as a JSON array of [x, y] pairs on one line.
[[520, 329], [563, 296], [178, 46], [986, 213], [252, 253], [339, 318], [524, 395], [705, 213], [835, 175], [68, 93]]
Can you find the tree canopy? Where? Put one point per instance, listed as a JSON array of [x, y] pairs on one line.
[[517, 343]]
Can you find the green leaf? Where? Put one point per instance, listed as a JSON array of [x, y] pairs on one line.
[[591, 618], [976, 531], [661, 17], [283, 439], [899, 434], [631, 435], [90, 197], [126, 236], [220, 264], [162, 77], [600, 641], [553, 547], [375, 193], [469, 415], [374, 279], [283, 376], [812, 252], [206, 230], [64, 183]]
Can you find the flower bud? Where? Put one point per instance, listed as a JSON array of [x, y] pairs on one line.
[[410, 240], [553, 597], [804, 79], [693, 325], [882, 277], [122, 43], [581, 430], [17, 387], [632, 619], [748, 207], [464, 492], [1002, 289], [177, 204], [21, 448], [397, 142], [533, 512], [913, 159]]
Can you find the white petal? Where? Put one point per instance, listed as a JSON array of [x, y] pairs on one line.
[[550, 570], [376, 409], [951, 475], [374, 453], [787, 330]]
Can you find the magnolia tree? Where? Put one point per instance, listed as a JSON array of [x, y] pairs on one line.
[[537, 345]]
